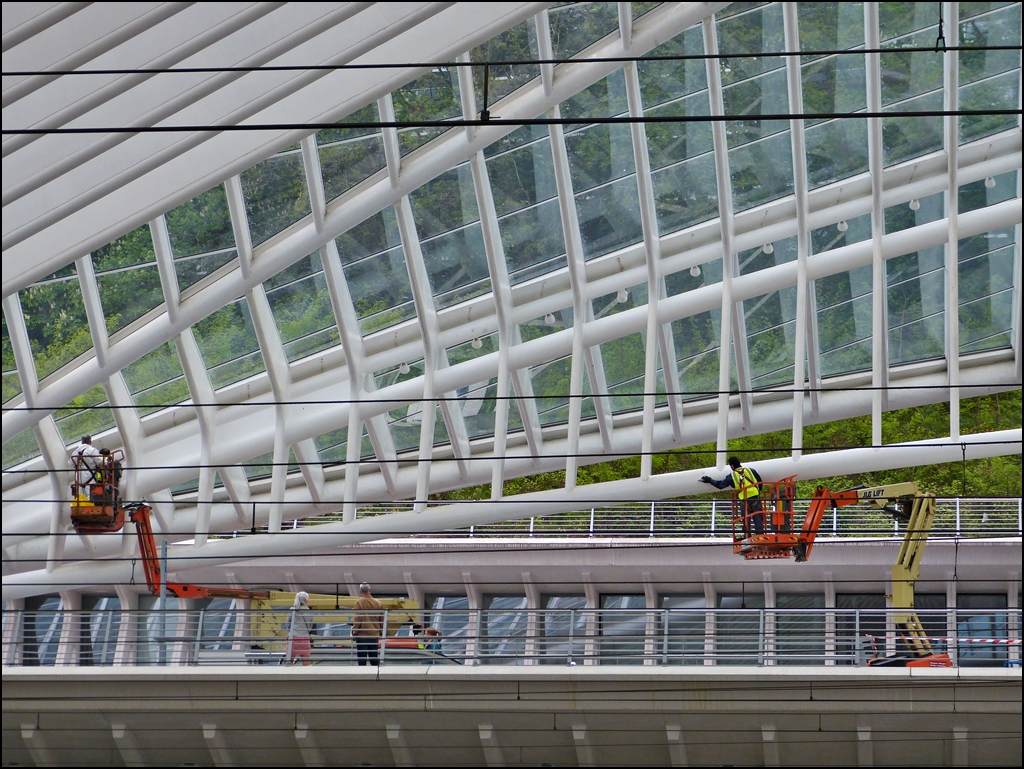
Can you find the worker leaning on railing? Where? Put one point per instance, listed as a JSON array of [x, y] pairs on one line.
[[745, 480]]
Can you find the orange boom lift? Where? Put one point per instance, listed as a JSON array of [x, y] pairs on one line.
[[903, 501], [97, 508]]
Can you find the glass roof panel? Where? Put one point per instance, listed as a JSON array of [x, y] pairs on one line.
[[685, 187], [302, 309], [156, 380], [332, 446], [522, 176], [686, 193], [770, 322], [516, 44], [760, 152], [54, 312], [836, 149], [910, 81], [404, 421], [697, 341], [695, 277], [376, 272], [551, 323], [21, 448], [371, 236], [85, 415], [11, 378], [916, 286], [986, 268], [447, 221], [350, 155], [844, 321], [263, 465], [624, 359], [551, 390], [476, 400], [202, 240], [989, 79], [575, 26], [523, 185], [434, 96], [609, 217], [127, 277], [768, 255], [227, 341], [276, 195]]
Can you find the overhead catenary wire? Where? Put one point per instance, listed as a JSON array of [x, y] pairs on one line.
[[497, 121], [502, 62]]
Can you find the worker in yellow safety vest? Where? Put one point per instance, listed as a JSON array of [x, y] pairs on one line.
[[744, 480]]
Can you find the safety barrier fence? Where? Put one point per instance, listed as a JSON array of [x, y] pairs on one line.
[[963, 517], [516, 636]]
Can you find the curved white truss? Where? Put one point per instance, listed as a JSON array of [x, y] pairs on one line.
[[267, 413]]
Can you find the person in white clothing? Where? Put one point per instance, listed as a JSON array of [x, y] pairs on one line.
[[85, 459]]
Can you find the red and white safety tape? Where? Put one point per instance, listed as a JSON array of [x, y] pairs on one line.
[[953, 639]]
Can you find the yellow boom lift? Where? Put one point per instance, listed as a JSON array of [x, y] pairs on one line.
[[903, 501]]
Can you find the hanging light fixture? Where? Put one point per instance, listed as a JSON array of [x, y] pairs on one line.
[[477, 344], [403, 368], [990, 182], [549, 319], [842, 226], [915, 204], [622, 296], [768, 248], [695, 271]]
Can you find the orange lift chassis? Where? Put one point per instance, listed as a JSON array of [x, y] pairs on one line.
[[903, 501]]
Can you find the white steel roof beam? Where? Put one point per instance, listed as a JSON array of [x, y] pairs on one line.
[[652, 245], [426, 316], [803, 234], [227, 20], [879, 315], [51, 445], [951, 139], [198, 380], [80, 49], [577, 279], [725, 216]]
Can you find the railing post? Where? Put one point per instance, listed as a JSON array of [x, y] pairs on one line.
[[761, 638], [714, 514], [835, 521], [383, 638], [572, 626], [199, 636], [664, 636], [856, 638], [592, 521], [652, 520], [958, 516], [479, 636], [531, 526]]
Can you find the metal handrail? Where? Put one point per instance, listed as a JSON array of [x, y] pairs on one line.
[[756, 637], [955, 516]]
